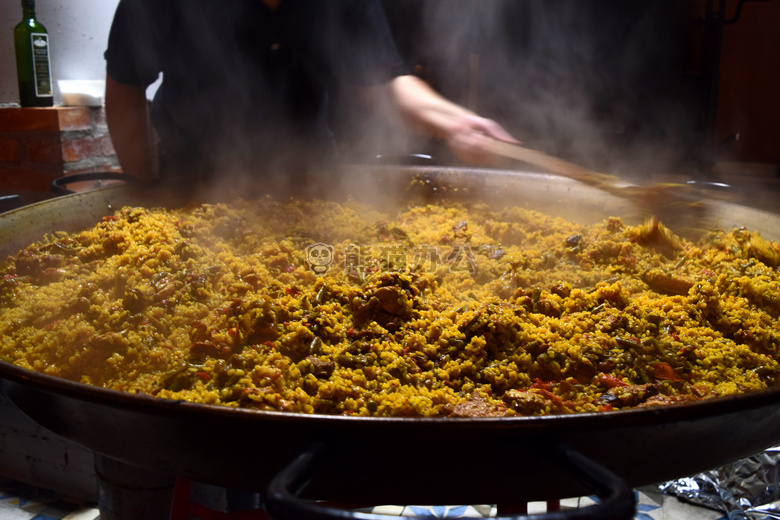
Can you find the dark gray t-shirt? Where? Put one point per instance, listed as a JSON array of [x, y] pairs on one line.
[[245, 87]]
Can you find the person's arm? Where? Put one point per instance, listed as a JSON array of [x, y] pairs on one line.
[[465, 132], [127, 116]]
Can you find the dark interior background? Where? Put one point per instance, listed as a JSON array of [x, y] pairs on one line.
[[627, 87]]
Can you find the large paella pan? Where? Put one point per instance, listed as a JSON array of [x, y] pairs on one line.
[[247, 447]]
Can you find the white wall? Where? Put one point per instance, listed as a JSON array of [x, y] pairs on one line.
[[78, 32]]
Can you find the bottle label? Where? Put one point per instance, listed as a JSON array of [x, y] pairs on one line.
[[41, 70]]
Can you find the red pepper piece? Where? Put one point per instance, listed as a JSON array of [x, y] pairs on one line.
[[609, 380], [542, 385], [552, 397], [665, 371]]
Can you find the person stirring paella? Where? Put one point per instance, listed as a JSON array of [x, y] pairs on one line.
[[245, 89], [246, 83]]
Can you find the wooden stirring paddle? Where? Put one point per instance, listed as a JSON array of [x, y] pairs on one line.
[[673, 202], [609, 183]]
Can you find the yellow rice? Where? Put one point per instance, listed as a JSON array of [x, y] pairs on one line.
[[439, 310]]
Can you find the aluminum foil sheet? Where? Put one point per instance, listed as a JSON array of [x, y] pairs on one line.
[[748, 489]]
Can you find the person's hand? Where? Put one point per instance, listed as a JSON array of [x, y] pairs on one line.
[[465, 133], [469, 137]]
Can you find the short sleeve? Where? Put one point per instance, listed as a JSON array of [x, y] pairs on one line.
[[367, 54], [135, 42]]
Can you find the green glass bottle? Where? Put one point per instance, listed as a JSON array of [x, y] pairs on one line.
[[32, 59]]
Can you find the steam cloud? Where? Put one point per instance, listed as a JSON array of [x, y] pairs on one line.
[[597, 82]]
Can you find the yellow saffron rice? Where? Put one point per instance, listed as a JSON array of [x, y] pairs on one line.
[[439, 310]]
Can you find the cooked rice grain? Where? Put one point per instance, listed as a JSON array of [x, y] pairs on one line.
[[440, 310]]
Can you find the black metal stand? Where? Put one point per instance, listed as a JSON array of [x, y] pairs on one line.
[[617, 500]]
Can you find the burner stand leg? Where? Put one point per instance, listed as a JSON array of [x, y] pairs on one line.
[[127, 492]]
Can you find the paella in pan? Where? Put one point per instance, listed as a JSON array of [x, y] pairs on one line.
[[450, 309]]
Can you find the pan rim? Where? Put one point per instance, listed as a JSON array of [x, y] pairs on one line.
[[690, 410]]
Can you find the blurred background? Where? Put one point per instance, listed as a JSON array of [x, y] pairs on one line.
[[643, 89]]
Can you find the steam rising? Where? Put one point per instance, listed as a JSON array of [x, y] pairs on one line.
[[599, 83], [593, 82]]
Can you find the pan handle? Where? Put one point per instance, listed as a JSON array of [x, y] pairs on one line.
[[617, 499]]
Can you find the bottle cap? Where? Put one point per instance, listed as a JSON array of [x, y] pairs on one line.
[[28, 4]]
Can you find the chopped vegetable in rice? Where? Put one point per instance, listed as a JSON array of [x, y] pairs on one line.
[[441, 310]]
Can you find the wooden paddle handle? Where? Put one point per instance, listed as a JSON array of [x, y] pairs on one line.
[[541, 159], [657, 198]]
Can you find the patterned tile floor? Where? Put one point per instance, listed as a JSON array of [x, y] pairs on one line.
[[651, 505], [23, 502]]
